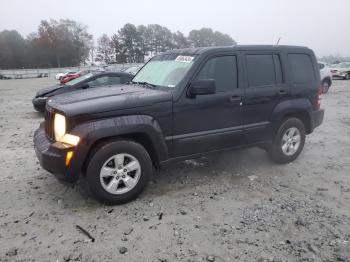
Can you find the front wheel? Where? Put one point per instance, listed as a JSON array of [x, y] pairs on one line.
[[118, 172], [288, 142]]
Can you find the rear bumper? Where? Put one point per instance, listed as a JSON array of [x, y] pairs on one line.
[[39, 103], [52, 157], [316, 118]]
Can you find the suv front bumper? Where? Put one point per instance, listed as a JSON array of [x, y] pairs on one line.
[[52, 157]]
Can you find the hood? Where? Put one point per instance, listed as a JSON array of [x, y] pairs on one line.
[[105, 99], [47, 90]]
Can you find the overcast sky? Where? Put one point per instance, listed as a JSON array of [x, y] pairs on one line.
[[322, 25]]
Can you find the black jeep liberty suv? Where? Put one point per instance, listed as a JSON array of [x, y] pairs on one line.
[[182, 104]]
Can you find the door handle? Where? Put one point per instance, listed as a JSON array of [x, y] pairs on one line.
[[282, 92], [235, 98]]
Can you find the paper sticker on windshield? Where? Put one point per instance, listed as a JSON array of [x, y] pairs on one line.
[[184, 59]]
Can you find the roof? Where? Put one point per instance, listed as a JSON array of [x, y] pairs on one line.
[[200, 50]]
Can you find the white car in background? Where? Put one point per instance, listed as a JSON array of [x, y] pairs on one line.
[[61, 75], [326, 76], [341, 70]]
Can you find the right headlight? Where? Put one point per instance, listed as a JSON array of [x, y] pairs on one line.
[[59, 126], [60, 131]]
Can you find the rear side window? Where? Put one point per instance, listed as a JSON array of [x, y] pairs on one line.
[[223, 70], [301, 68], [99, 81], [114, 80], [261, 70]]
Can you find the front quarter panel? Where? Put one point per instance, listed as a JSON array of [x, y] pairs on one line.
[[95, 131]]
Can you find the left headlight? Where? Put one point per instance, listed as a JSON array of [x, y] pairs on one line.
[[59, 126], [60, 131]]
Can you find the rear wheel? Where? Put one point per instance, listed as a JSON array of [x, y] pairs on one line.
[[347, 76], [288, 142], [118, 172], [325, 86]]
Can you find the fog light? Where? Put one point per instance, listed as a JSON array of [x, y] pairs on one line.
[[69, 157]]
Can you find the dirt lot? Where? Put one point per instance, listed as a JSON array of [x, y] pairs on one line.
[[235, 206]]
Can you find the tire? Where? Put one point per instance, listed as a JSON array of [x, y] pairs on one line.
[[276, 151], [325, 86], [347, 76], [121, 190]]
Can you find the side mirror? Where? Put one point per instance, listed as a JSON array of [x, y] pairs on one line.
[[202, 87]]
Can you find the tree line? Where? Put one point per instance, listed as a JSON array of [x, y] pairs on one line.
[[64, 42], [132, 44], [55, 44]]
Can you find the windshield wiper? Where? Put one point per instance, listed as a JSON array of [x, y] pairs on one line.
[[145, 84]]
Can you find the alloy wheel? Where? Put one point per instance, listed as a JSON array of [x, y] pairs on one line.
[[120, 173], [291, 141]]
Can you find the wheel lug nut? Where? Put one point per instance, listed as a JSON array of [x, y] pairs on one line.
[[125, 170], [123, 176]]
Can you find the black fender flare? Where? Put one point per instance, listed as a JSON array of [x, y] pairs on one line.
[[301, 107], [91, 133]]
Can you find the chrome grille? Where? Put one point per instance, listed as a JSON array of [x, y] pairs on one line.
[[49, 118]]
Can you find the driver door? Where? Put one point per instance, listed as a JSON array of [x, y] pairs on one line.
[[210, 122]]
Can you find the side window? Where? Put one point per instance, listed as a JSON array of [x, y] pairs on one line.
[[278, 69], [125, 79], [100, 81], [223, 69], [261, 70], [114, 80], [302, 69]]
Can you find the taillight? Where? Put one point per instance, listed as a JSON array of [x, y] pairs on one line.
[[318, 97]]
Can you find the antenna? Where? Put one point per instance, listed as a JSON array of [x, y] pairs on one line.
[[278, 41]]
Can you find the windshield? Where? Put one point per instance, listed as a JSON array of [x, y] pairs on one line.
[[79, 79], [165, 70]]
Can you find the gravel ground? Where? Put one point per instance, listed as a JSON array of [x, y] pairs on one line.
[[235, 206]]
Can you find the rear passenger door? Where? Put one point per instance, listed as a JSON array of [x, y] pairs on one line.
[[264, 88]]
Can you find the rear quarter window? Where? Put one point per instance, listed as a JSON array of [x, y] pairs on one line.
[[301, 67]]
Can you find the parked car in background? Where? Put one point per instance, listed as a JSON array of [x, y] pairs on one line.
[[59, 76], [70, 77], [87, 81], [2, 77], [326, 76], [182, 104], [132, 70], [341, 70]]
